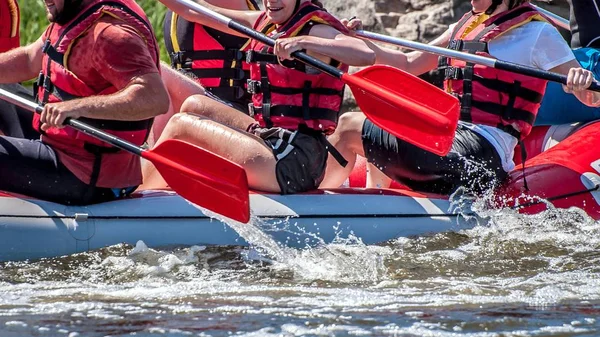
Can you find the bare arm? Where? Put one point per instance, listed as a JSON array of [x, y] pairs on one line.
[[21, 64], [415, 62], [145, 97], [246, 18], [179, 86], [578, 79], [326, 43]]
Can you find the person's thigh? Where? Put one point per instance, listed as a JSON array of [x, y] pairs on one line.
[[16, 121], [236, 145], [472, 162], [30, 167]]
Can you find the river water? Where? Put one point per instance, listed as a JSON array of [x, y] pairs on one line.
[[515, 275]]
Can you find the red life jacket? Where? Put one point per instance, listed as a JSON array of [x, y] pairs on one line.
[[214, 58], [286, 95], [56, 83], [490, 96], [9, 25]]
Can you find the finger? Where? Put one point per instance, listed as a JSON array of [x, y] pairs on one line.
[[60, 120], [589, 79], [566, 89], [576, 81], [570, 77], [57, 118], [43, 114]]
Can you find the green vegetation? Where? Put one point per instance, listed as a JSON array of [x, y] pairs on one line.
[[33, 20]]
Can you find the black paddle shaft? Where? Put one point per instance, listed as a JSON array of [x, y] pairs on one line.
[[75, 124], [533, 72], [477, 59], [298, 55]]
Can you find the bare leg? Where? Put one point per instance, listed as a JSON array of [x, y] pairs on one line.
[[347, 139], [238, 146], [217, 111], [376, 178]]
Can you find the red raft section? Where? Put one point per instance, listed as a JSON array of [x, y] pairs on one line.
[[562, 166], [567, 174]]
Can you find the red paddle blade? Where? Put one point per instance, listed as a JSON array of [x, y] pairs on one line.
[[202, 177], [406, 106]]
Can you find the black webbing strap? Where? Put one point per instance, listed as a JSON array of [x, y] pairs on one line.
[[266, 91]]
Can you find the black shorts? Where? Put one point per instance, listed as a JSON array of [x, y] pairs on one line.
[[472, 162], [31, 167], [16, 121], [301, 158]]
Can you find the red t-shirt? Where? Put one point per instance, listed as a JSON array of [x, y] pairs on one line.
[[9, 25], [109, 54]]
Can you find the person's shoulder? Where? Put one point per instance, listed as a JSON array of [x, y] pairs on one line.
[[536, 25], [115, 29]]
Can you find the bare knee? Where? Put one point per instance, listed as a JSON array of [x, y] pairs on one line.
[[178, 126], [197, 104], [349, 129]]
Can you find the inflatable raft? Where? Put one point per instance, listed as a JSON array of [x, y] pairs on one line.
[[563, 166], [32, 229]]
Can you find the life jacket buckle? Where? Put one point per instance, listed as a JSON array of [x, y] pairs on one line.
[[251, 109], [250, 56], [46, 46], [47, 84], [176, 59], [453, 73], [455, 45], [39, 82], [253, 87]]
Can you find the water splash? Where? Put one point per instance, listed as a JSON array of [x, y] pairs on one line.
[[345, 260]]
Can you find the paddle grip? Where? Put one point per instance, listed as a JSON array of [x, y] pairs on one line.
[[75, 124], [543, 74]]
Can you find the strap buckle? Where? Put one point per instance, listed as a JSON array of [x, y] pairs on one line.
[[176, 59], [46, 46], [250, 56], [251, 109], [47, 84], [253, 87], [455, 45], [453, 73]]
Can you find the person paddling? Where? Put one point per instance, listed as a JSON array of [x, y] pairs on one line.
[[98, 62], [558, 107], [214, 59], [283, 148], [498, 108]]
